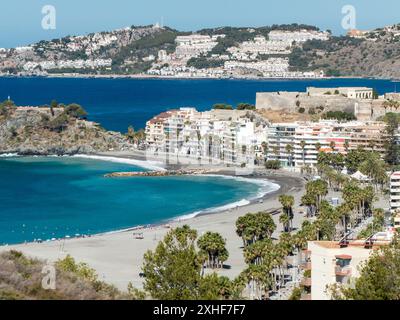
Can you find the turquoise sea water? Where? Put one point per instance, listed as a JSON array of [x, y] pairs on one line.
[[49, 198], [44, 198]]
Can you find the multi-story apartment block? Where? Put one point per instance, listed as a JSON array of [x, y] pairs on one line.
[[395, 192], [227, 135], [337, 263], [297, 36], [238, 136], [307, 139]]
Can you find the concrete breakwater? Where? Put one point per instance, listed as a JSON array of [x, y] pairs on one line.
[[160, 173]]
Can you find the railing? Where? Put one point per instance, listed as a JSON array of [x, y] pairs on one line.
[[344, 242], [342, 271], [369, 242], [306, 265]]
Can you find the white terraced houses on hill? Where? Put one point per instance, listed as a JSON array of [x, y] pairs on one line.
[[194, 45], [297, 36]]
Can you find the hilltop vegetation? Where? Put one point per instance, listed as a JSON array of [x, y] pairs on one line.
[[346, 56], [53, 129], [21, 279]]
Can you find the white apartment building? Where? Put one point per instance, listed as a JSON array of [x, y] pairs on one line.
[[194, 45], [332, 263], [237, 137], [307, 139], [224, 135], [251, 49], [395, 192], [297, 36], [271, 65]]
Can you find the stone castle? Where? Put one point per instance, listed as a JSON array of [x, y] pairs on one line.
[[360, 101]]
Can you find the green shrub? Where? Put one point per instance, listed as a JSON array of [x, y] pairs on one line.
[[273, 164]]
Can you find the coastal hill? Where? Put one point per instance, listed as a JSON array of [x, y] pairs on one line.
[[56, 130], [21, 279], [363, 54], [286, 51]]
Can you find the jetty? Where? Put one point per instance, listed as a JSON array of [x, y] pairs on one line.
[[181, 172]]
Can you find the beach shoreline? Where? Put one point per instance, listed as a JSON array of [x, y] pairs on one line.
[[154, 164], [117, 256]]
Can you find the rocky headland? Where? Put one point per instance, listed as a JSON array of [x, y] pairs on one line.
[[62, 130]]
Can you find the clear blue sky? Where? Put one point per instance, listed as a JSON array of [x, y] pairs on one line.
[[20, 20]]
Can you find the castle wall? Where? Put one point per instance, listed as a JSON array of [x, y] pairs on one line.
[[291, 102]]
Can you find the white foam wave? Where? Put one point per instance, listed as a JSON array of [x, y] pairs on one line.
[[265, 188], [265, 185], [150, 165], [8, 155]]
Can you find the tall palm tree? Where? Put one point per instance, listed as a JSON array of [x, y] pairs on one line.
[[287, 203], [285, 220], [289, 150], [386, 104], [332, 145], [264, 146], [276, 151], [303, 147], [396, 105], [346, 146], [213, 245]]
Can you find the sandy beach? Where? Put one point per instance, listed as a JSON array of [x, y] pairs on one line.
[[117, 257]]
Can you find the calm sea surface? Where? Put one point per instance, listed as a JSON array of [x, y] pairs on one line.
[[118, 103], [44, 198]]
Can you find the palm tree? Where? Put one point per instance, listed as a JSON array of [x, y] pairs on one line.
[[396, 105], [212, 246], [287, 203], [264, 146], [276, 151], [386, 104], [255, 227], [332, 145], [289, 150], [346, 146], [258, 279], [303, 147], [285, 220]]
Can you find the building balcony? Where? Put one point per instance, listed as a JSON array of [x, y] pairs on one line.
[[305, 265], [342, 271]]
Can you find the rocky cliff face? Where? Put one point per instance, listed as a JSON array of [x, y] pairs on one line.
[[39, 131]]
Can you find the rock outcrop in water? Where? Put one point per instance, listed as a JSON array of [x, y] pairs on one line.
[[181, 172], [53, 131]]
